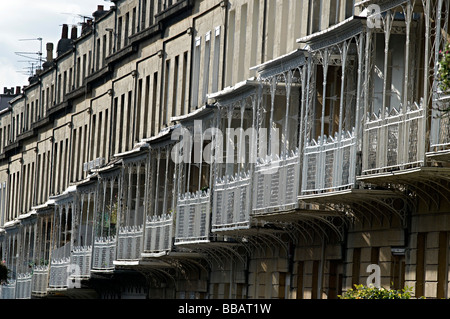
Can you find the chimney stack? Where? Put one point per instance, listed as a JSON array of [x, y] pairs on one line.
[[65, 31], [64, 44], [10, 91], [86, 26], [74, 33], [49, 52], [99, 13]]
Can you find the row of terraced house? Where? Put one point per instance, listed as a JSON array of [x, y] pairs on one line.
[[231, 149]]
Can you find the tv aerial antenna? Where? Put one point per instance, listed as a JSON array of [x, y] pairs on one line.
[[30, 69], [81, 16], [33, 58]]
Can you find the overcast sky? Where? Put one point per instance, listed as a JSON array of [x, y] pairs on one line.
[[32, 19]]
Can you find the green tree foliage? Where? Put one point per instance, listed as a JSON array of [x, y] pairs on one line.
[[444, 68]]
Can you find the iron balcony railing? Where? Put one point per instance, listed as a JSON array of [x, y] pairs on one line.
[[158, 234], [104, 253], [193, 217], [231, 203], [440, 124], [59, 268], [129, 242], [40, 281], [59, 273], [276, 183], [23, 286], [394, 141], [81, 259], [8, 290], [329, 164]]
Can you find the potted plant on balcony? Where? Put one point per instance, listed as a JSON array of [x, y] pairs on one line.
[[443, 88], [444, 69], [110, 216]]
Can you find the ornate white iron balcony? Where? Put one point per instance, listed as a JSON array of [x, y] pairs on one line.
[[59, 273], [40, 280], [81, 256], [395, 141], [276, 183], [158, 234], [231, 203], [440, 124], [8, 290], [23, 286], [104, 253], [329, 164], [129, 242], [193, 217]]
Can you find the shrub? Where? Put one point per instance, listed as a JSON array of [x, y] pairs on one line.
[[444, 68], [3, 273], [364, 292]]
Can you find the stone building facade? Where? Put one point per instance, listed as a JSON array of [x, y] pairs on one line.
[[231, 149]]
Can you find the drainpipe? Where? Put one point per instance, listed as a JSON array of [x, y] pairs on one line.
[[134, 75], [224, 5], [73, 37], [112, 124], [263, 40], [321, 270], [138, 25], [246, 274]]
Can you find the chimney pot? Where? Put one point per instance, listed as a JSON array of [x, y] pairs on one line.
[[74, 33], [17, 90], [49, 52], [65, 31], [100, 8]]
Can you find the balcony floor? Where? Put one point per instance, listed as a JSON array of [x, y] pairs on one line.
[[430, 184], [349, 196], [296, 215], [439, 156], [410, 177], [364, 203]]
